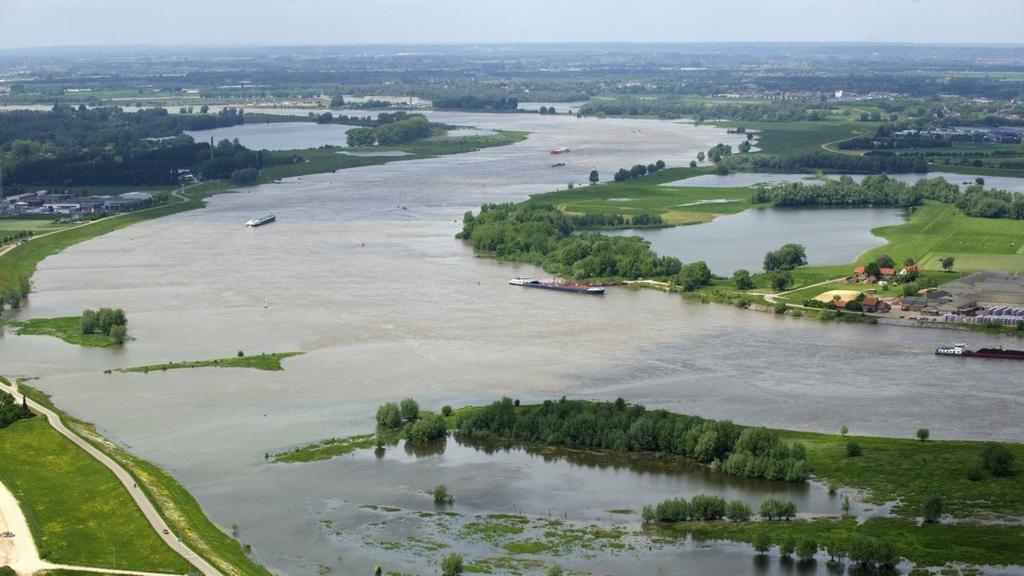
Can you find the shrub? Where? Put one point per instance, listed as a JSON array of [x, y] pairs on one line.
[[852, 449], [806, 548], [648, 514], [974, 474], [737, 511], [446, 411], [931, 508], [410, 409], [430, 428], [923, 434], [998, 459], [703, 507], [451, 565], [762, 543], [773, 508], [844, 430], [389, 415], [672, 510], [118, 333], [554, 571], [780, 307], [241, 354], [441, 495], [787, 547]]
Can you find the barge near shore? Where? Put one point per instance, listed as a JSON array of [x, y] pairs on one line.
[[561, 286], [963, 351]]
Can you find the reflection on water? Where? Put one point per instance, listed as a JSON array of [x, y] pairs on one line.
[[278, 135]]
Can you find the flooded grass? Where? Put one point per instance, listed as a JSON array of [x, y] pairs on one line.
[[270, 361]]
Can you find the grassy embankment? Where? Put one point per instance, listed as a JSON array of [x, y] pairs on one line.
[[77, 510], [179, 509], [270, 361], [67, 328], [888, 470]]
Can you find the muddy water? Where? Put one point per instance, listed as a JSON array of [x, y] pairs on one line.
[[361, 272]]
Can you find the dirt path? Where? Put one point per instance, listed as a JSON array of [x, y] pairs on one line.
[[145, 506]]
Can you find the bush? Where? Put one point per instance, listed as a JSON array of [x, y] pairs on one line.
[[852, 449], [703, 507], [762, 543], [787, 547], [451, 565], [118, 333], [410, 409], [446, 411], [430, 428], [672, 510], [931, 509], [441, 495], [389, 416], [648, 514], [974, 474], [737, 511], [742, 279], [806, 548], [773, 508], [554, 571], [998, 459], [923, 434]]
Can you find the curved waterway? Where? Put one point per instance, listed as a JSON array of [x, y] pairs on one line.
[[362, 273]]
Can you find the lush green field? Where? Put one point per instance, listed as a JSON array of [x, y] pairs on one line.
[[675, 204], [78, 512], [803, 137], [37, 226], [260, 362], [936, 230], [67, 328], [178, 508]]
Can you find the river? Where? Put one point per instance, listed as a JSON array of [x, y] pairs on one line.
[[362, 273]]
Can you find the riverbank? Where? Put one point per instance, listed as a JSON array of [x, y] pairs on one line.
[[177, 508]]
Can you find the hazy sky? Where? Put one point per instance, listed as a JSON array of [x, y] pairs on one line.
[[26, 23]]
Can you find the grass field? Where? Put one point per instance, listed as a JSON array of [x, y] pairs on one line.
[[178, 508], [327, 449], [67, 328], [803, 137], [37, 226], [260, 362], [77, 510], [675, 204]]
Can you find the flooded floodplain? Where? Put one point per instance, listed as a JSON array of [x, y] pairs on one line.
[[362, 273]]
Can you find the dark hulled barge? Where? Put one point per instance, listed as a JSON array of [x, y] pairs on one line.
[[560, 286], [963, 351]]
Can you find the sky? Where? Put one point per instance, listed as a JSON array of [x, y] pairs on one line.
[[34, 23]]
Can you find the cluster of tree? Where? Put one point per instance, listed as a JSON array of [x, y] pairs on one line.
[[430, 427], [391, 415], [12, 411], [592, 221], [245, 176], [109, 321], [476, 102], [544, 110], [337, 101], [392, 132], [759, 453], [693, 276], [773, 508], [826, 161], [16, 236], [700, 507], [417, 429], [618, 426], [719, 151], [882, 190], [788, 257], [541, 234], [637, 171]]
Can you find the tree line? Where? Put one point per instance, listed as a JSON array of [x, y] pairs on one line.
[[476, 102], [825, 161], [882, 190], [637, 171], [391, 132], [630, 428]]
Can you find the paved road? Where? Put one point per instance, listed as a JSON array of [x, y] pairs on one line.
[[147, 508]]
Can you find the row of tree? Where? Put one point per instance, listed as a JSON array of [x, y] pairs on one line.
[[623, 427], [637, 171]]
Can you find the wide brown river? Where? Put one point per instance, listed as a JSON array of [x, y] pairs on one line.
[[361, 272]]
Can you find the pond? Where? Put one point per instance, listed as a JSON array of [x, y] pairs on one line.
[[830, 235], [278, 135]]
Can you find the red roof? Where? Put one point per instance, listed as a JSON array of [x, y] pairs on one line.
[[858, 270], [887, 271], [839, 303], [870, 301]]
